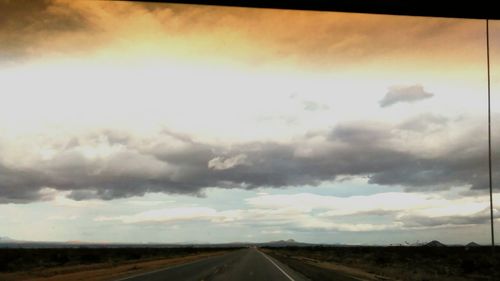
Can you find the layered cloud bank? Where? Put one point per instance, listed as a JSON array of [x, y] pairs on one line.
[[108, 164], [306, 212], [88, 84]]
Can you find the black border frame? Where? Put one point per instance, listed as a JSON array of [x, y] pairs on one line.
[[478, 9]]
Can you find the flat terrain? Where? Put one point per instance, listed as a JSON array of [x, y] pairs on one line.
[[277, 263], [451, 263], [102, 264]]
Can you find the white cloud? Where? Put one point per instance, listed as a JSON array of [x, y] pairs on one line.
[[224, 163], [166, 215], [271, 231], [337, 206], [417, 203], [63, 218], [148, 203]]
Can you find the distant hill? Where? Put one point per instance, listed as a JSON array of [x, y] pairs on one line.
[[6, 240], [435, 243], [472, 244], [283, 243]]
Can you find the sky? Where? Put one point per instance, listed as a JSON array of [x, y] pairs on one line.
[[132, 122]]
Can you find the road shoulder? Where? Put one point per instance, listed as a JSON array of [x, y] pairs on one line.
[[325, 271], [103, 271]]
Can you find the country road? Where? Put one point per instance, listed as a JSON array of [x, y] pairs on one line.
[[242, 265]]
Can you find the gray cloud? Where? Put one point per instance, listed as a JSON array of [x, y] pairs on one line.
[[424, 122], [361, 133], [404, 94], [463, 162], [175, 163], [480, 218], [21, 185]]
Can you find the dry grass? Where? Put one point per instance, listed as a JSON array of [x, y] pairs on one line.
[[351, 271], [339, 268], [398, 263], [101, 271]]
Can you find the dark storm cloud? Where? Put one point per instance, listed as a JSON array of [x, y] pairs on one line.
[[361, 134], [21, 185], [174, 163], [25, 24], [406, 94], [463, 163], [41, 27]]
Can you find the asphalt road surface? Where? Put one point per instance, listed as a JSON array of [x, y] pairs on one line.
[[242, 265]]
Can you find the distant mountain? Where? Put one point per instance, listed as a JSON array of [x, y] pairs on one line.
[[472, 244], [6, 240], [283, 243], [435, 243]]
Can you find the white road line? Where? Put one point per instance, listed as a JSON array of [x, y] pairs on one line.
[[282, 271], [145, 273]]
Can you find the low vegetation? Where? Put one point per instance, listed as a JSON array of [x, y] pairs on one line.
[[23, 259], [94, 263], [392, 263]]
